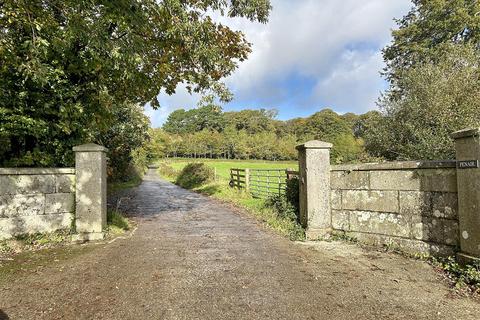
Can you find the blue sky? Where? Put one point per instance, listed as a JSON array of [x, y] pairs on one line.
[[312, 54]]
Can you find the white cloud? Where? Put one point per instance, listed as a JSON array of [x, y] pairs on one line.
[[310, 36], [354, 84], [335, 43], [181, 99]]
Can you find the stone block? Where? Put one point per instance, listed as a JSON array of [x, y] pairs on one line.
[[405, 245], [380, 223], [350, 180], [382, 201], [415, 203], [437, 180], [84, 237], [445, 205], [21, 205], [394, 180], [466, 259], [10, 227], [36, 171], [314, 170], [435, 230], [397, 165], [27, 184], [65, 183], [336, 196], [59, 202], [91, 188], [340, 220], [441, 180], [429, 204], [467, 146]]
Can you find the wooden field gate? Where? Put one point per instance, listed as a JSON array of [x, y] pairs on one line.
[[261, 183]]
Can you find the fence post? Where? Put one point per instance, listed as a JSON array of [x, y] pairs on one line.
[[247, 180], [314, 163], [288, 173], [467, 146], [90, 191]]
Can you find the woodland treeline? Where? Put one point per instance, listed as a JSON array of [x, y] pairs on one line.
[[74, 72], [208, 132], [433, 68]]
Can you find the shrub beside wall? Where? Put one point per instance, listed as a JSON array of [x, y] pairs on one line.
[[194, 175]]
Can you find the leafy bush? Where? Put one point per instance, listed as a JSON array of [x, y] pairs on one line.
[[427, 103], [286, 206], [194, 175], [347, 148], [292, 193], [468, 276], [126, 140], [167, 171], [282, 207], [117, 222]]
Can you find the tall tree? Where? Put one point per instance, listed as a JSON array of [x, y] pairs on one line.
[[252, 121], [179, 121], [66, 64], [324, 125], [209, 117], [426, 28], [433, 68], [437, 99], [127, 134]]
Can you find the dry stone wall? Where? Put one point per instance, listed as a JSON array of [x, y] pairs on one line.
[[36, 200], [409, 204]]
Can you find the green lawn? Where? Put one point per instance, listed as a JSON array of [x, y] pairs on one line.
[[222, 167]]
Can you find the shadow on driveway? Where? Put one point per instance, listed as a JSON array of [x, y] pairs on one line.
[[3, 315]]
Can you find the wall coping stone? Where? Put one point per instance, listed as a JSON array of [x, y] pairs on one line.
[[90, 147], [398, 165], [314, 144], [36, 171], [466, 133]]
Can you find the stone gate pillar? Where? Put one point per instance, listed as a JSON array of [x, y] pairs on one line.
[[315, 213], [90, 191], [467, 146]]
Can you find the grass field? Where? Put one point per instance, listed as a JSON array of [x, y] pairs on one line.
[[170, 168], [222, 167]]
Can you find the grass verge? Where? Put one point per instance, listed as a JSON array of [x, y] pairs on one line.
[[122, 185], [117, 223], [32, 242]]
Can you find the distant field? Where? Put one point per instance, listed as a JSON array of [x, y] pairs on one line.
[[223, 167]]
